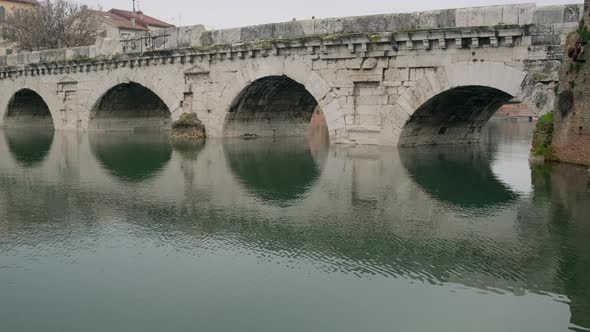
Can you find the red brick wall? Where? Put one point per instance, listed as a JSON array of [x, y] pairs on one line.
[[514, 110]]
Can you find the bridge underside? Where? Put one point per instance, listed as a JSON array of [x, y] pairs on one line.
[[27, 109], [130, 107], [453, 117], [272, 107]]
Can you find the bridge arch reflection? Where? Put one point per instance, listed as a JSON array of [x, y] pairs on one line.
[[447, 173], [279, 171], [131, 157], [29, 147]]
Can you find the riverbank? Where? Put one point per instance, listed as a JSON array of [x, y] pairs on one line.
[[564, 134]]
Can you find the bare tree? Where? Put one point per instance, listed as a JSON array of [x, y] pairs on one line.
[[53, 24]]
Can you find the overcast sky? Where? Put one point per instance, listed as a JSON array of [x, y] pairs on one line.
[[218, 14]]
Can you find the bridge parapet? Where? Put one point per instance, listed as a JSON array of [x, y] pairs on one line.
[[383, 44], [493, 26]]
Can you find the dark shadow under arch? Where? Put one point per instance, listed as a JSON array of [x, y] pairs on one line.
[[272, 106], [27, 109], [130, 107], [454, 116]]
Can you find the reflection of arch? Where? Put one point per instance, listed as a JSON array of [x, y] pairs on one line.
[[130, 107], [189, 150], [270, 107], [449, 173], [277, 171], [451, 104], [295, 70], [29, 147], [27, 108], [131, 157]]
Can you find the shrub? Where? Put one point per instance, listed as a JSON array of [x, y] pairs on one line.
[[544, 137]]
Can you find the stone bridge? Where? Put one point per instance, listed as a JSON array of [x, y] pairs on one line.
[[396, 79]]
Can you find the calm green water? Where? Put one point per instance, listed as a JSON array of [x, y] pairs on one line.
[[134, 233]]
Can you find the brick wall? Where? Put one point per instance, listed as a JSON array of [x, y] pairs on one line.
[[571, 140], [515, 109]]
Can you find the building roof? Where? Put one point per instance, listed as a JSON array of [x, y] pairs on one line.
[[30, 2], [120, 22], [140, 18]]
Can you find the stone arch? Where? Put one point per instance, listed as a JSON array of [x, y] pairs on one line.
[[28, 109], [451, 104], [272, 106], [129, 106], [287, 68]]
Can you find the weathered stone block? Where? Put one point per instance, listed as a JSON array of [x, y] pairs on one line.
[[510, 15], [396, 74], [476, 17], [366, 76], [493, 15], [548, 15], [371, 100], [526, 13]]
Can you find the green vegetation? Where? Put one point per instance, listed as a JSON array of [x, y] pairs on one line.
[[344, 36], [543, 151], [188, 127], [540, 77], [546, 121], [186, 120], [544, 137], [583, 32], [572, 84]]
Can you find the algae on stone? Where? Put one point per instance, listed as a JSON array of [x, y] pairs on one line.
[[188, 127], [543, 137]]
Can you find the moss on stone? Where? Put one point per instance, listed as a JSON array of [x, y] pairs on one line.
[[540, 77], [263, 44], [572, 84], [379, 37], [543, 137], [583, 32], [188, 127], [340, 36]]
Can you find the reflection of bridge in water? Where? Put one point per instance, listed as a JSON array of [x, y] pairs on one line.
[[374, 211], [29, 147], [448, 173]]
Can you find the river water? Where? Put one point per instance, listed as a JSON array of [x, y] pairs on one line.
[[119, 232]]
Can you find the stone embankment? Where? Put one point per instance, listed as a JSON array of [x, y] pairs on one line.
[[568, 137]]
